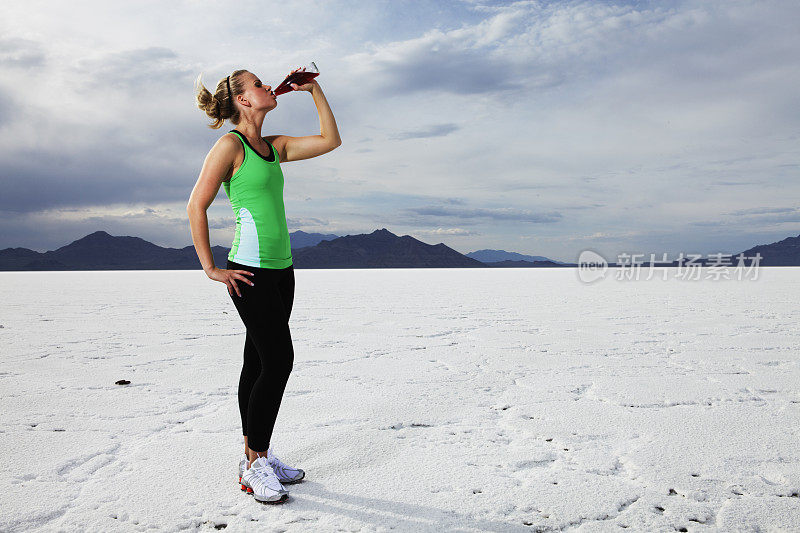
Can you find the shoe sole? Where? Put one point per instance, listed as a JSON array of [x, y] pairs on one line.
[[282, 499], [245, 488]]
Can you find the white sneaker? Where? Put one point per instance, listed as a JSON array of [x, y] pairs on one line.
[[242, 467], [285, 473], [262, 479]]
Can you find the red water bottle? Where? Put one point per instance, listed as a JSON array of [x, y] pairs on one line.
[[302, 76]]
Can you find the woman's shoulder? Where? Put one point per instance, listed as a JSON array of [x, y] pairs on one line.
[[227, 147], [230, 142], [229, 137]]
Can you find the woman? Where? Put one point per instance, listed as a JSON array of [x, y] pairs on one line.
[[248, 166]]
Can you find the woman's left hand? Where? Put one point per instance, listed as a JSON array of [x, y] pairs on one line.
[[306, 86]]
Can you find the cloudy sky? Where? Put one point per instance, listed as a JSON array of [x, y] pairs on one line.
[[542, 127]]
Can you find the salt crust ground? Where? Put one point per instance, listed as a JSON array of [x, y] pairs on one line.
[[421, 400]]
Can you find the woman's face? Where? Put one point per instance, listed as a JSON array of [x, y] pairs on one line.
[[260, 96]]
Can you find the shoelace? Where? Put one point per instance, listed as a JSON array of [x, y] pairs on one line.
[[266, 474], [274, 460]]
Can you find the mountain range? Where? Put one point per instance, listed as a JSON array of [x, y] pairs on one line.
[[379, 249]]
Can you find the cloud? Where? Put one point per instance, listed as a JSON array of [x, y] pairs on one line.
[[763, 210], [445, 231], [36, 180], [499, 213], [133, 70], [525, 46], [784, 218], [672, 116], [21, 53], [305, 222], [7, 105], [734, 183], [437, 130], [709, 223], [754, 217], [607, 236], [221, 222]]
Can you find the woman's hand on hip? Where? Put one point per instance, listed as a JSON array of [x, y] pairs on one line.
[[229, 277]]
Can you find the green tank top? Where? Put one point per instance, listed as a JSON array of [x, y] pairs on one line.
[[256, 195]]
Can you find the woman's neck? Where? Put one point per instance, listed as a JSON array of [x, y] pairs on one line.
[[251, 129]]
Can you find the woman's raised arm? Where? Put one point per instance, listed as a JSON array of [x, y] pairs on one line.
[[297, 148]]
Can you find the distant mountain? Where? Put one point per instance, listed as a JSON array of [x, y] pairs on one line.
[[301, 239], [781, 253], [496, 256], [101, 251], [527, 264], [17, 258], [380, 249]]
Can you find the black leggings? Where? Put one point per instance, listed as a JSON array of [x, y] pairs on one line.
[[268, 353]]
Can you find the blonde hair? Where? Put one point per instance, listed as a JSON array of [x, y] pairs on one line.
[[220, 105]]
